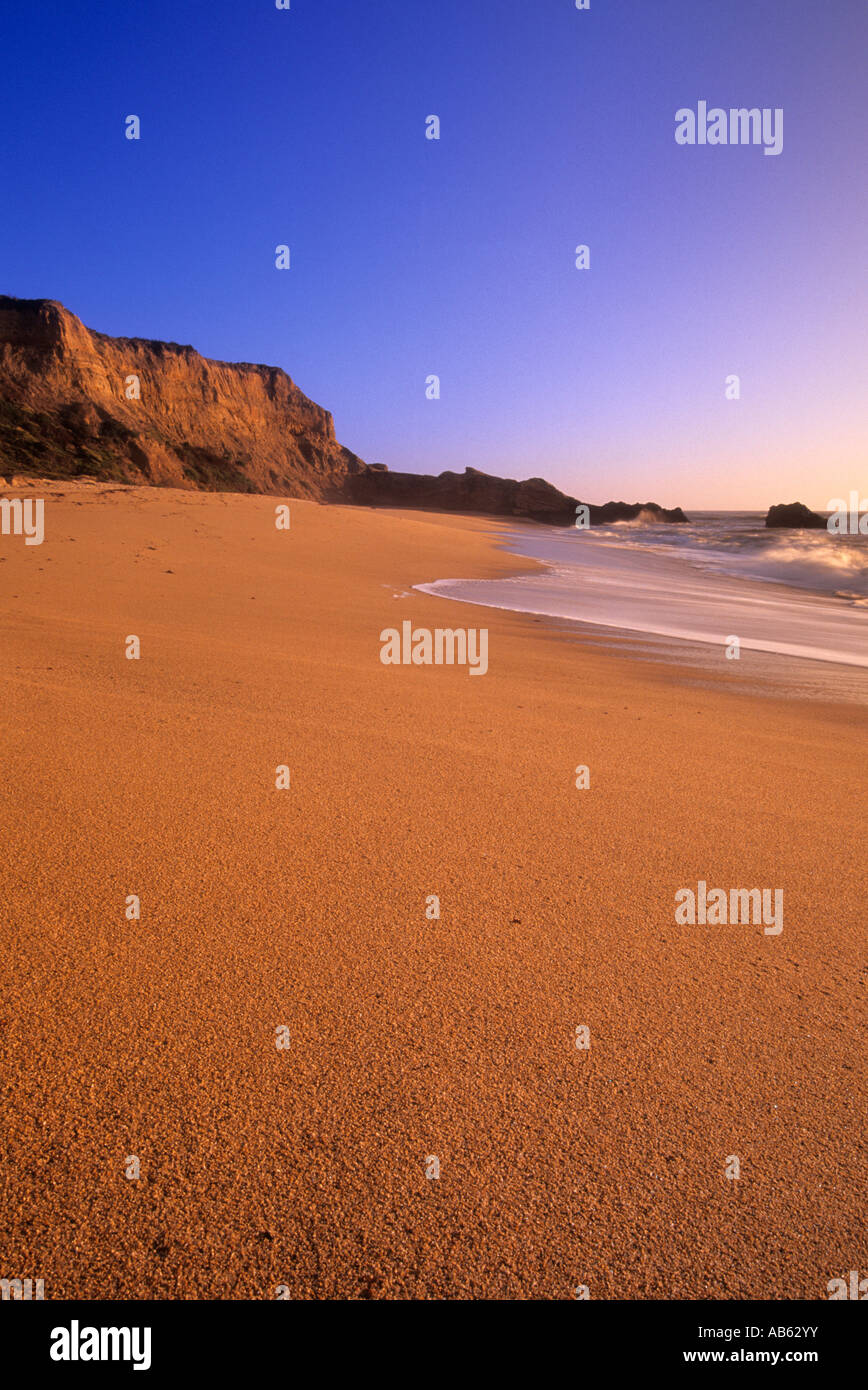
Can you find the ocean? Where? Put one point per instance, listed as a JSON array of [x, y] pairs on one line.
[[796, 594]]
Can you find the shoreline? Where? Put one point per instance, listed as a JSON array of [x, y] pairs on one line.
[[793, 675]]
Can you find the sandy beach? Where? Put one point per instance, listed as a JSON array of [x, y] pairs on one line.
[[409, 1038]]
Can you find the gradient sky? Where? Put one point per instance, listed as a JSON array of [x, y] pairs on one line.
[[456, 257]]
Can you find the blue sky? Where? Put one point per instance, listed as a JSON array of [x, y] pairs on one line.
[[456, 257]]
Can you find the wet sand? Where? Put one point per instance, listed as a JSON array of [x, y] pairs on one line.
[[305, 908]]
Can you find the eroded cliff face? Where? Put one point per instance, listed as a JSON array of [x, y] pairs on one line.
[[67, 407]]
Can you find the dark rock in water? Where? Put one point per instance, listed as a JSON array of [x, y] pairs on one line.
[[474, 491], [794, 514], [629, 511]]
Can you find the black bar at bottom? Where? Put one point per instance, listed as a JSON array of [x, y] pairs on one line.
[[145, 1338]]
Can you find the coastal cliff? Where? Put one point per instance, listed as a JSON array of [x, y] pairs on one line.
[[68, 406]]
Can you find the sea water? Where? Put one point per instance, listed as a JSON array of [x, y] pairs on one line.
[[797, 594]]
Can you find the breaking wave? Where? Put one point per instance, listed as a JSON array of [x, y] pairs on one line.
[[802, 594]]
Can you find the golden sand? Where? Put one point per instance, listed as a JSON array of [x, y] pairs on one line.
[[305, 909]]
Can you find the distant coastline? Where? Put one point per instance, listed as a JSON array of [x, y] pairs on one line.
[[74, 402]]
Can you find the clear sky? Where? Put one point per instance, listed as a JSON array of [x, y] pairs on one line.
[[455, 257]]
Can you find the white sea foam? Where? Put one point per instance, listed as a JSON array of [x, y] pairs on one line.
[[798, 593]]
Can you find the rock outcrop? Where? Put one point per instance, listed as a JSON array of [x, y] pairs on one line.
[[64, 410], [76, 402], [474, 491], [794, 514]]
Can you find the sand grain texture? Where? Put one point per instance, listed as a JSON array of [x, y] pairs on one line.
[[306, 908]]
